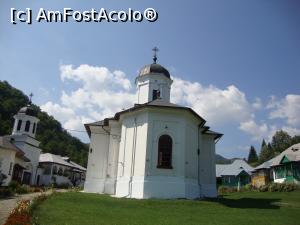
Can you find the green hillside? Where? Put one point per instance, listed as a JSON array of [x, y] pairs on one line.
[[50, 132]]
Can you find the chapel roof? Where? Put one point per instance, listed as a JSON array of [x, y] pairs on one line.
[[28, 110], [6, 142], [154, 68], [157, 103]]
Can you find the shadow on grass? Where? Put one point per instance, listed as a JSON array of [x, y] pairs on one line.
[[248, 203]]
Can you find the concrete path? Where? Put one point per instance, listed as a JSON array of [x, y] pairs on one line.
[[7, 205]]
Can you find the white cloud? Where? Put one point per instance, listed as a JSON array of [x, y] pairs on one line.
[[287, 108], [258, 131], [100, 93], [95, 78], [216, 105]]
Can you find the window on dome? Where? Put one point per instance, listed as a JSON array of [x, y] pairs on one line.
[[164, 152], [155, 94], [27, 125], [19, 125], [33, 129]]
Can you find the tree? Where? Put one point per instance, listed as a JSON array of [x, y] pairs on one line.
[[54, 139], [266, 152], [281, 141], [296, 139], [252, 157]]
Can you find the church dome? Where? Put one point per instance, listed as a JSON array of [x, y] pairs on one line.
[[154, 68], [28, 110]]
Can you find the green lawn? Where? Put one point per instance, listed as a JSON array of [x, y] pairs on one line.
[[251, 208]]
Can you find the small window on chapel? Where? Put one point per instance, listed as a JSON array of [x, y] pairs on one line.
[[155, 94], [164, 152], [27, 125], [33, 129], [19, 125]]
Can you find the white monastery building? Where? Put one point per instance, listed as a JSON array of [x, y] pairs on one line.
[[156, 149], [21, 159], [20, 152]]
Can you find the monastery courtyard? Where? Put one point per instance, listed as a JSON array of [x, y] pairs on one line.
[[259, 208]]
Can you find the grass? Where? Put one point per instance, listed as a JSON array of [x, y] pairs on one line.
[[253, 208]]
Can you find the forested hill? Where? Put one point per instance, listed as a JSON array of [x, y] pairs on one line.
[[50, 132]]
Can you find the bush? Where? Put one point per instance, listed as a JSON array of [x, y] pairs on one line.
[[6, 192], [263, 188], [24, 189], [226, 189], [277, 187], [63, 185], [13, 185], [247, 187]]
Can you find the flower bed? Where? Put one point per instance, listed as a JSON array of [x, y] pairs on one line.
[[22, 214]]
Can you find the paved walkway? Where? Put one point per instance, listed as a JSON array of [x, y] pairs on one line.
[[7, 205]]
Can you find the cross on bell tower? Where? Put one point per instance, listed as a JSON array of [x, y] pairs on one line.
[[30, 98], [155, 50]]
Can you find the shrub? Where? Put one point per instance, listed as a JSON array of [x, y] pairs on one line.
[[13, 185], [263, 188], [6, 192], [23, 189], [247, 187], [226, 189], [63, 185]]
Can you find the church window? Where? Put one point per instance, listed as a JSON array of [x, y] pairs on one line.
[[155, 94], [164, 152], [19, 125], [91, 150], [27, 125], [33, 129]]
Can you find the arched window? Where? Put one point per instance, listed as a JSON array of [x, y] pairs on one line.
[[33, 129], [19, 125], [27, 125], [164, 152]]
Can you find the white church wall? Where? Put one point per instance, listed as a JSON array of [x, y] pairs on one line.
[[207, 167], [165, 183], [192, 189], [30, 147], [113, 154], [97, 161], [7, 161], [160, 123], [132, 156]]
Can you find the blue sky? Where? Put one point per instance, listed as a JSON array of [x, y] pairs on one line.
[[237, 63]]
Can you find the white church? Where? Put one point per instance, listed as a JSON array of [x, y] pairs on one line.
[[155, 149]]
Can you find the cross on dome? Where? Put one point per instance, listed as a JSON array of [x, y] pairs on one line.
[[155, 50], [30, 98]]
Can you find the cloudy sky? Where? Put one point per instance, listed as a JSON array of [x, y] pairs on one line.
[[235, 62]]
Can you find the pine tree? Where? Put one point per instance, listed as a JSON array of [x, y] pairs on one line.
[[252, 157], [266, 152]]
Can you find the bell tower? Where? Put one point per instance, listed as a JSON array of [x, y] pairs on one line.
[[153, 82], [26, 121]]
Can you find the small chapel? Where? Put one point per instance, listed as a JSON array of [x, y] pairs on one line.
[[155, 149]]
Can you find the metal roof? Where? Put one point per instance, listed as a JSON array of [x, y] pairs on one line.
[[233, 169], [57, 159], [155, 103], [6, 142], [292, 153], [154, 68]]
